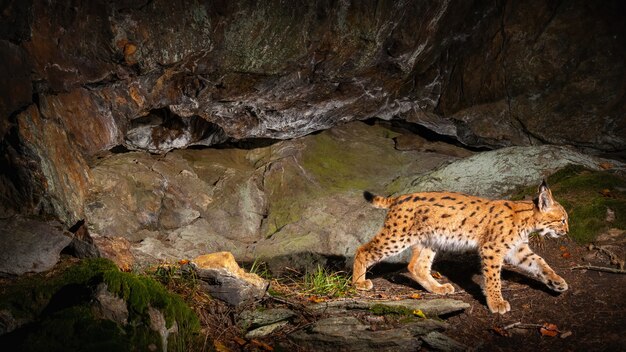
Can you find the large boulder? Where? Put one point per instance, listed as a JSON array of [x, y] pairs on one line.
[[286, 200], [293, 202], [30, 245]]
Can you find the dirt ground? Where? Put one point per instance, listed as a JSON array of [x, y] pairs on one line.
[[590, 316]]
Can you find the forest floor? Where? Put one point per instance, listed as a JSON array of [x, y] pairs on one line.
[[590, 316]]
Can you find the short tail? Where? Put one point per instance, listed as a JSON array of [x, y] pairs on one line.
[[378, 201]]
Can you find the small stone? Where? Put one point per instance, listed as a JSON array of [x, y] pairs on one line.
[[225, 280], [109, 306], [265, 330], [158, 324], [256, 318]]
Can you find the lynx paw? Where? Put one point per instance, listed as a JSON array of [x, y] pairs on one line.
[[364, 285], [499, 306], [443, 289], [557, 284]]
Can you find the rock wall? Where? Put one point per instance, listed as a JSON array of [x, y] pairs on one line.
[[83, 77]]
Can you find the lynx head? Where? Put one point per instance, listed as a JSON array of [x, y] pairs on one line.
[[551, 218]]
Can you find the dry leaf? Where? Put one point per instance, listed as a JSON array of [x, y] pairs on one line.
[[239, 340], [220, 347], [183, 262], [262, 345], [436, 275], [566, 255], [549, 330], [419, 313], [606, 165], [316, 299], [500, 331], [415, 296], [562, 248]]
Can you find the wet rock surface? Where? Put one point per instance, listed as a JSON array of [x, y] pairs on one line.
[[281, 201], [295, 202], [90, 77]]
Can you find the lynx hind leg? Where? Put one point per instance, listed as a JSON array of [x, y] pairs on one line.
[[362, 260], [420, 266], [379, 248]]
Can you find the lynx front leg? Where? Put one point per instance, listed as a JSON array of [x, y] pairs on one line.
[[492, 267], [419, 267], [524, 258]]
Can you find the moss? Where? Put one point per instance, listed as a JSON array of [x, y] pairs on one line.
[[586, 195], [71, 329], [33, 298], [381, 309]]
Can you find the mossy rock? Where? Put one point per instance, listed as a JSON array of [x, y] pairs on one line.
[[587, 195], [62, 319]]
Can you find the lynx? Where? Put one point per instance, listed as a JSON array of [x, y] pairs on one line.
[[498, 229]]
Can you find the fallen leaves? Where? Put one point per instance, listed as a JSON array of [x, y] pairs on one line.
[[565, 253], [548, 329], [415, 296], [501, 331], [316, 299], [606, 165], [545, 329], [436, 275], [419, 313]]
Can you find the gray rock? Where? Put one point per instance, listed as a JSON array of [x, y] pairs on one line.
[[291, 200], [265, 330], [8, 322], [29, 245], [430, 307], [496, 173], [222, 278], [347, 333], [108, 306], [158, 324], [441, 342], [255, 318]]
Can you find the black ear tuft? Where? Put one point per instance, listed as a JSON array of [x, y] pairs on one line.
[[368, 196], [544, 184]]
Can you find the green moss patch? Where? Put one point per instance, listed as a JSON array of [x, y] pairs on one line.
[[587, 196], [59, 306], [381, 309]]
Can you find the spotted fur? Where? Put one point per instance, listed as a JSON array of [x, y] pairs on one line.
[[498, 229]]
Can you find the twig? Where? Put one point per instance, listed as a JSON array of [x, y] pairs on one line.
[[613, 258], [519, 325], [599, 268]]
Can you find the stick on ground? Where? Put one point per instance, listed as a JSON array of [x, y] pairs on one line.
[[600, 268]]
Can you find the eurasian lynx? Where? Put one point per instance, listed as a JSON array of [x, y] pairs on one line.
[[499, 229]]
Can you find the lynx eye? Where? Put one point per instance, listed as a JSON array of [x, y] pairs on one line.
[[563, 221]]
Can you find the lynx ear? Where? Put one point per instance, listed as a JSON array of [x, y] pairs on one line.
[[544, 198]]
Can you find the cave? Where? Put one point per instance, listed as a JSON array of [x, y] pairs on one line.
[[151, 132]]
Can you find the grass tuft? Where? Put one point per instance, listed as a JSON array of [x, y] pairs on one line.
[[322, 282]]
